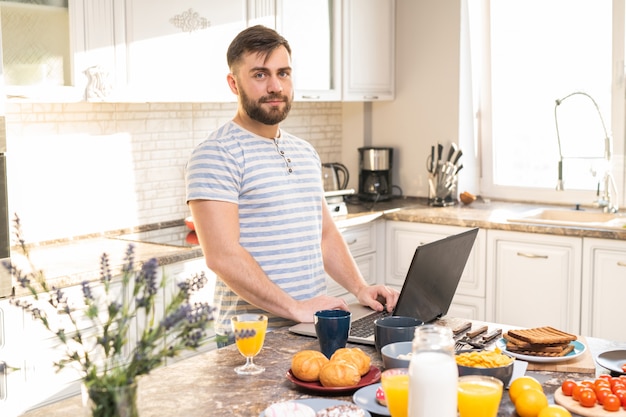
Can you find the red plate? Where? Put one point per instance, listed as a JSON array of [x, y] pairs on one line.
[[372, 377]]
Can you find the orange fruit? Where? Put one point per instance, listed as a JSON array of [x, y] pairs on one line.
[[523, 383], [530, 402], [554, 410]]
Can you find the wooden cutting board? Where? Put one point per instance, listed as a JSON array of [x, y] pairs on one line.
[[574, 407], [583, 364]]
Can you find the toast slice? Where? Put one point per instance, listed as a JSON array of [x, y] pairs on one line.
[[567, 349], [542, 335]]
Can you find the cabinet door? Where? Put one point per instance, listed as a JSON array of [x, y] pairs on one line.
[[604, 286], [368, 50], [176, 51], [12, 390], [404, 237], [536, 279], [313, 29]]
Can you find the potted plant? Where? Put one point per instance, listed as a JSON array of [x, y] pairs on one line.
[[109, 362]]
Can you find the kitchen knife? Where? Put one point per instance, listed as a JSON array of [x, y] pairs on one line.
[[453, 149], [477, 332], [491, 335], [431, 166], [457, 156]]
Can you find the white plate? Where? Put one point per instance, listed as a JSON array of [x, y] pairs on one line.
[[613, 360], [366, 399], [579, 349], [319, 404]]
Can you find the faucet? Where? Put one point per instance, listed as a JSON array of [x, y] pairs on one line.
[[607, 199]]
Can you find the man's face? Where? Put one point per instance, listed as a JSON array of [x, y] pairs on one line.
[[265, 87]]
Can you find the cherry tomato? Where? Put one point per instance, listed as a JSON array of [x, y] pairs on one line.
[[611, 403], [605, 376], [622, 397], [587, 383], [568, 386], [587, 397], [576, 391], [602, 393], [618, 386], [624, 367], [602, 382]]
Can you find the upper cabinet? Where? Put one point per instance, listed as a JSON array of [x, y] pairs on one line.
[[147, 50], [368, 50], [313, 29], [166, 51]]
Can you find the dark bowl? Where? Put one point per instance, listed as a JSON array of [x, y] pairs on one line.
[[391, 353], [503, 373]]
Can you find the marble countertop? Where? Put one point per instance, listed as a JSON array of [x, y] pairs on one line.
[[206, 384]]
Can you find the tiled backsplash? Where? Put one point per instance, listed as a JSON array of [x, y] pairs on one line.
[[85, 168]]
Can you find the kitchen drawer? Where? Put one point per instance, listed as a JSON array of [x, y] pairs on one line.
[[360, 239]]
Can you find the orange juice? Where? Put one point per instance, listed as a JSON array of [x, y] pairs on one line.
[[479, 396], [395, 383], [250, 346]]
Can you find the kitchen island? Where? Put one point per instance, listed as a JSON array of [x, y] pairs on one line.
[[206, 384]]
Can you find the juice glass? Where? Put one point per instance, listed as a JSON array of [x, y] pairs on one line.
[[395, 383], [249, 332], [479, 396]]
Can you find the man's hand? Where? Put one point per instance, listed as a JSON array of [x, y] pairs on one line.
[[377, 297]]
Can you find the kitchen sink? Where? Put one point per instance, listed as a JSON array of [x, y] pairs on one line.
[[581, 218]]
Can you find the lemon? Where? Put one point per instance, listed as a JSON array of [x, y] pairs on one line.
[[522, 383], [530, 402], [554, 410]]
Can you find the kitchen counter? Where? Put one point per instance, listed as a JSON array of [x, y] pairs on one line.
[[206, 385], [71, 261]]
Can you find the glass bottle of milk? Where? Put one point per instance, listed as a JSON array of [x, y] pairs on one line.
[[433, 373]]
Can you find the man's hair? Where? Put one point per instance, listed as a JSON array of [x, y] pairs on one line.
[[257, 39]]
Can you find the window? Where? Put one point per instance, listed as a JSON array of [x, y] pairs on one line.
[[535, 53]]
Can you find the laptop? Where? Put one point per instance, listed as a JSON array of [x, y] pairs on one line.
[[428, 288]]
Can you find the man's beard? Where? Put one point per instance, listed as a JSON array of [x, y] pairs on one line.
[[256, 112]]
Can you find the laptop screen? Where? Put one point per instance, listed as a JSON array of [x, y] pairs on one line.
[[434, 275]]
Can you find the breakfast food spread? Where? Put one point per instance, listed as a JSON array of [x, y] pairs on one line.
[[343, 410], [539, 341], [289, 409], [344, 369], [306, 365]]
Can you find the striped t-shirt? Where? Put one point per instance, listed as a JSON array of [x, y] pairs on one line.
[[277, 186]]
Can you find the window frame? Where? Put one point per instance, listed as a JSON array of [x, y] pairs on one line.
[[482, 78]]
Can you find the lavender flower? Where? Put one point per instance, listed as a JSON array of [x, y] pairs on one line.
[[114, 315]]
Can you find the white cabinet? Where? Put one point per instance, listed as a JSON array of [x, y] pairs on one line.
[[146, 50], [402, 238], [534, 280], [313, 29], [362, 242], [12, 385], [368, 50], [604, 286]]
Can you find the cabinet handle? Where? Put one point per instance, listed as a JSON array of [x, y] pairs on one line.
[[307, 97], [352, 242], [619, 263], [370, 97], [532, 255]]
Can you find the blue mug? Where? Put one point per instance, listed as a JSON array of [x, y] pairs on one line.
[[332, 328]]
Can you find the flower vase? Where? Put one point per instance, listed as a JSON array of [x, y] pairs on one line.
[[110, 401]]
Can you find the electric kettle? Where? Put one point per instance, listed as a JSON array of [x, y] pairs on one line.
[[335, 176]]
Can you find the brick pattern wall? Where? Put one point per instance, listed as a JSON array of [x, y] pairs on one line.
[[78, 169]]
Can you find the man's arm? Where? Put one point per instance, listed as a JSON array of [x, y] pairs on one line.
[[217, 227], [340, 265]]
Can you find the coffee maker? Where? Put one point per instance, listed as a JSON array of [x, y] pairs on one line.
[[375, 173]]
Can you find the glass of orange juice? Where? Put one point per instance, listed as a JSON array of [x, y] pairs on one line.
[[479, 396], [249, 332], [395, 383]]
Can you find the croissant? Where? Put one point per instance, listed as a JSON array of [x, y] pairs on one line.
[[306, 365]]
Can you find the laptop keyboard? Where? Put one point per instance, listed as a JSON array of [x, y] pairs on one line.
[[364, 327]]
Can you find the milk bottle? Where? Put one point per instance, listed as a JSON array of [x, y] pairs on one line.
[[433, 373]]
